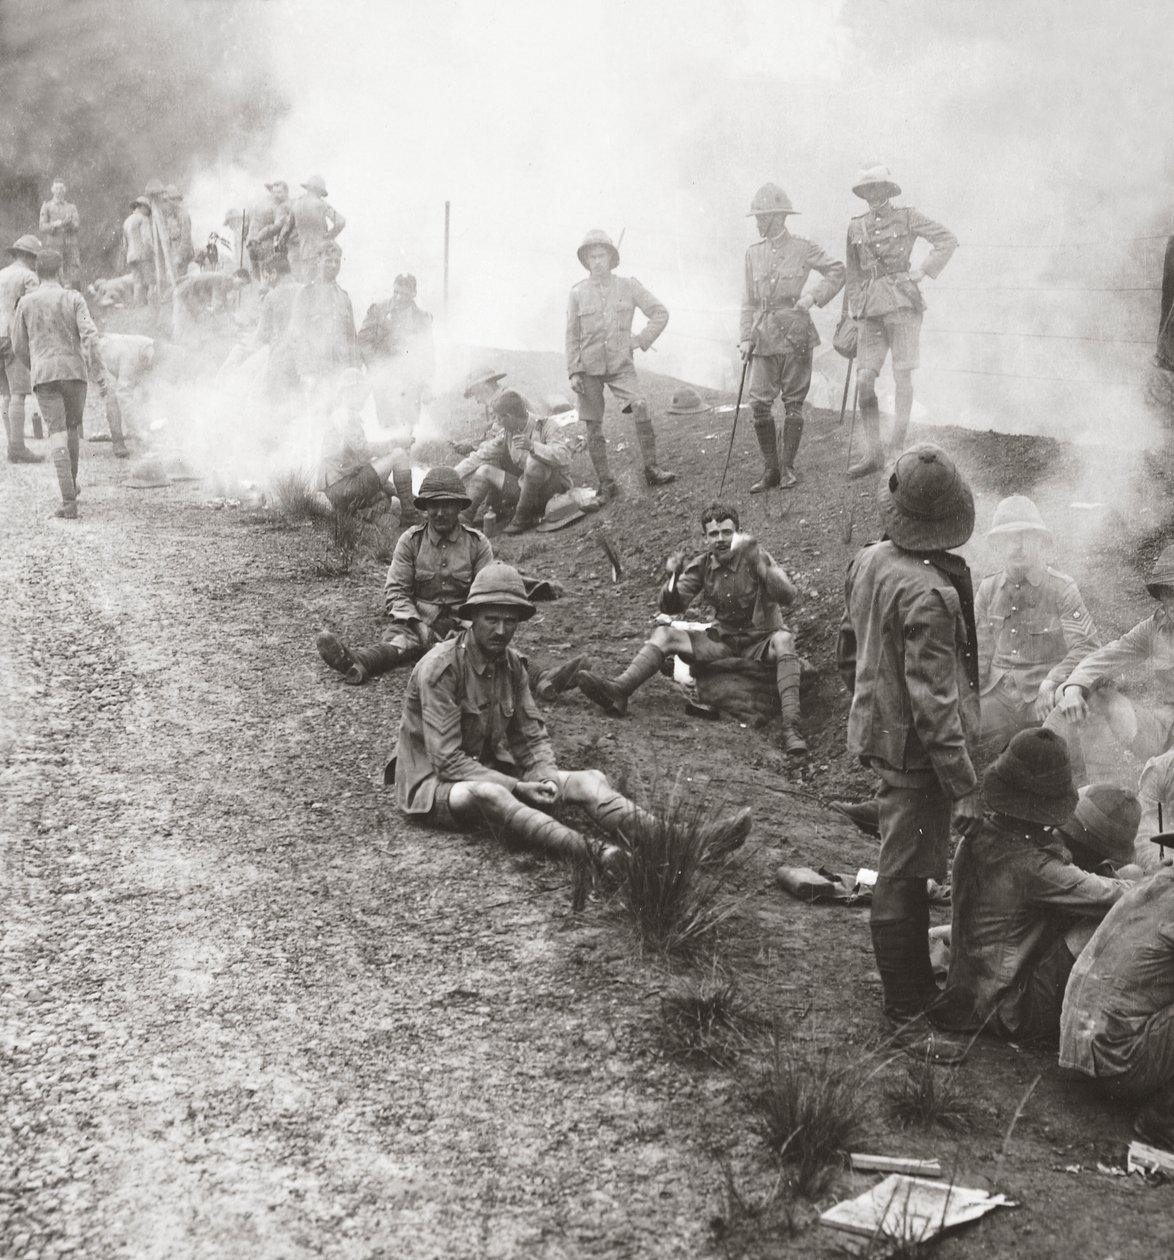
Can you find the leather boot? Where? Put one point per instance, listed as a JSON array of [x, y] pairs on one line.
[[38, 426], [334, 652], [608, 490], [863, 815], [872, 458], [792, 433], [74, 439], [529, 510], [1154, 1123], [597, 449], [722, 836], [612, 694], [114, 420], [370, 662], [18, 453], [787, 673], [646, 439], [900, 943], [553, 681], [65, 483], [768, 444]]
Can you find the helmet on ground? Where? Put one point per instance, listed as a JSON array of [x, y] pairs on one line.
[[315, 184], [687, 402], [497, 586], [926, 504], [26, 244], [874, 176], [1015, 515], [770, 199], [442, 485], [598, 237]]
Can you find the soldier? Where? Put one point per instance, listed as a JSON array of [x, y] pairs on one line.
[[776, 332], [473, 750], [885, 301], [322, 329], [265, 224], [272, 331], [747, 589], [179, 230], [311, 222], [140, 249], [357, 474], [59, 225], [906, 651], [128, 358], [55, 338], [17, 279], [519, 468], [599, 353], [396, 344]]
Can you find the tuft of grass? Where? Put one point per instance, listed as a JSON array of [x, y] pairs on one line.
[[295, 499], [745, 1219], [672, 886], [809, 1110], [930, 1096], [707, 1022]]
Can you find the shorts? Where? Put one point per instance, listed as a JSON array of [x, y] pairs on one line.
[[441, 815], [19, 381], [623, 385], [708, 646], [355, 490], [915, 817], [898, 331]]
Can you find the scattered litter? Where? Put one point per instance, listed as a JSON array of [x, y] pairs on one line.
[[822, 885], [896, 1164], [217, 504], [1112, 1170], [1149, 1160], [911, 1210], [1073, 1169], [866, 878]]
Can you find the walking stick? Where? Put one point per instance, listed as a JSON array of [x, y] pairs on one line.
[[849, 506], [734, 426]]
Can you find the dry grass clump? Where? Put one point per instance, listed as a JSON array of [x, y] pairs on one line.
[[746, 1219], [809, 1108], [295, 499], [930, 1096], [707, 1022]]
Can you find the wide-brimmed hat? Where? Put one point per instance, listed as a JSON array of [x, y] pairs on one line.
[[141, 201], [154, 188], [148, 474], [687, 402], [562, 510], [1106, 821], [870, 176], [442, 485], [1162, 574], [26, 244], [1032, 779], [926, 505], [598, 237], [770, 199], [1016, 515], [315, 184], [481, 376], [498, 586]]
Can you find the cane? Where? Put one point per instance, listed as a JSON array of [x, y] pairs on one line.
[[850, 507], [734, 426]]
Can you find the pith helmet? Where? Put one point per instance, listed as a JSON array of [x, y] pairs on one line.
[[315, 184], [598, 237], [1162, 576], [26, 244], [687, 402], [926, 505], [873, 175], [154, 188], [770, 199], [500, 586], [1016, 514], [1032, 779], [1106, 820], [442, 485], [482, 376]]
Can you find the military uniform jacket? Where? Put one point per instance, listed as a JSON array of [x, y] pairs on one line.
[[15, 281], [777, 268], [430, 573], [310, 222], [880, 244], [54, 335], [542, 437], [63, 237], [138, 238], [741, 601], [599, 324], [322, 329], [391, 332], [1150, 643], [463, 712], [1030, 631]]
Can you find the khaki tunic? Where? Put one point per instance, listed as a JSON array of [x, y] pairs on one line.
[[776, 270], [599, 324]]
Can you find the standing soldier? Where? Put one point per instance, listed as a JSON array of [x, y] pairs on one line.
[[140, 248], [396, 344], [55, 338], [59, 225], [906, 651], [179, 231], [886, 303], [265, 224], [310, 223], [599, 353], [17, 279], [776, 332], [322, 330]]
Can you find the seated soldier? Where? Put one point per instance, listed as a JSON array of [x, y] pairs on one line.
[[358, 474], [1117, 1024], [482, 385], [746, 588], [1088, 698], [431, 571], [1014, 889], [473, 750], [520, 468]]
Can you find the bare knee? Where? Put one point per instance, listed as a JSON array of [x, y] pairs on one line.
[[584, 785], [782, 643], [478, 796], [669, 639]]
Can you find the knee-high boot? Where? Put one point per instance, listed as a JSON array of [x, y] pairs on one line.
[[787, 674], [768, 443], [872, 457], [370, 662], [531, 501], [792, 433], [597, 449], [900, 943], [646, 440], [612, 693], [65, 482]]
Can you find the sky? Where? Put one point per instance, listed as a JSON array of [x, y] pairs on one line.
[[1033, 131]]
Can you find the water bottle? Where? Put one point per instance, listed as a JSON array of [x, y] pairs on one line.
[[489, 523]]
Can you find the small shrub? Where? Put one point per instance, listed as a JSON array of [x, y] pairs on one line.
[[295, 499], [707, 1022], [809, 1110], [930, 1096]]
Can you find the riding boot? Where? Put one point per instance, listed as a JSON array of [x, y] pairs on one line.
[[787, 671], [872, 459], [646, 439], [612, 693], [900, 944], [768, 444], [370, 662], [792, 433], [532, 829]]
